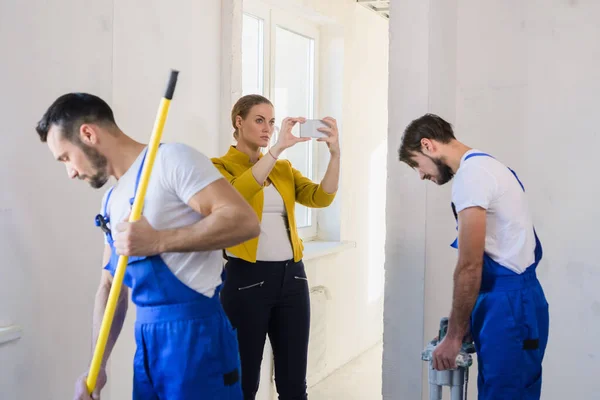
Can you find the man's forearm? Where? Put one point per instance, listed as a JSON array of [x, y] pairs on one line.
[[223, 228], [118, 320], [467, 280], [331, 179]]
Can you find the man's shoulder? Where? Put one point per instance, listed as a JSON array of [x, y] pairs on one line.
[[185, 169], [492, 167], [177, 148], [481, 164], [475, 174], [174, 155]]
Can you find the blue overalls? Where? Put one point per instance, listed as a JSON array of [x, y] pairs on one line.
[[186, 347], [509, 325]]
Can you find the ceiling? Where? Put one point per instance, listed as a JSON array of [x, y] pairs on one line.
[[380, 7]]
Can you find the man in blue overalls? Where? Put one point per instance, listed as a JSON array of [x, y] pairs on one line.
[[186, 348], [497, 296]]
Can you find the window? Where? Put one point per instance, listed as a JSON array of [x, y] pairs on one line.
[[279, 61], [252, 55]]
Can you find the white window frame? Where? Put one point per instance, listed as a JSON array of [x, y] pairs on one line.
[[261, 50], [273, 18]]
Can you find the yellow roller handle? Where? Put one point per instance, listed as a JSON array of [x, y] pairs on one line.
[[136, 213]]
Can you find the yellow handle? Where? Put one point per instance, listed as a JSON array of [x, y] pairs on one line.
[[136, 213]]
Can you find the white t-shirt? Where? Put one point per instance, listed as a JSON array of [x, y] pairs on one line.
[[178, 173], [274, 242], [485, 182]]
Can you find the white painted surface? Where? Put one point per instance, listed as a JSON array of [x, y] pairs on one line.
[[150, 38], [405, 250], [317, 346], [360, 379], [50, 263], [316, 249], [354, 277], [519, 80], [231, 68], [9, 334]]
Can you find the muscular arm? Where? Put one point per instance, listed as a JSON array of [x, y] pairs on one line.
[[467, 276], [100, 306], [229, 220]]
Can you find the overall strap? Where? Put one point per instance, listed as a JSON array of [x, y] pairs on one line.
[[487, 155], [538, 250], [137, 178], [102, 220], [518, 180], [477, 155], [106, 203], [452, 204]]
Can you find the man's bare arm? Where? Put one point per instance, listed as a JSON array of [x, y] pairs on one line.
[[467, 276], [100, 306], [229, 221]]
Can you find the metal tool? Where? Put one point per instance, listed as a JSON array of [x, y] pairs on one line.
[[456, 379], [102, 223]]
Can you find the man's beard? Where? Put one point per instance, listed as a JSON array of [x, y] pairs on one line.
[[445, 173], [99, 163]]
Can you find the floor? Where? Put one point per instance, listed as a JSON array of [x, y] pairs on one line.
[[358, 380]]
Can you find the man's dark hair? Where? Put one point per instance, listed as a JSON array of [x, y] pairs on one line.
[[70, 111], [429, 126]]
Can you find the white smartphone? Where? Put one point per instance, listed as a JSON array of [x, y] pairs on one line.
[[309, 128]]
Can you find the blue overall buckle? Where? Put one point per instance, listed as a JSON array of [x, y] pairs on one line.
[[102, 223]]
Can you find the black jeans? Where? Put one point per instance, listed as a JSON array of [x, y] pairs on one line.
[[270, 297]]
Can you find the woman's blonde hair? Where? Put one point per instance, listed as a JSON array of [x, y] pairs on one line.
[[243, 106]]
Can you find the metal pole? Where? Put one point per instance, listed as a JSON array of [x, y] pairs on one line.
[[435, 392], [455, 379], [456, 392]]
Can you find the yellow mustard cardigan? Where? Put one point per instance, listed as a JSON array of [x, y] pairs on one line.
[[289, 182]]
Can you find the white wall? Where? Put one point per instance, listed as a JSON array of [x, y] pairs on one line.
[[354, 277], [149, 39], [405, 245], [51, 249], [518, 80]]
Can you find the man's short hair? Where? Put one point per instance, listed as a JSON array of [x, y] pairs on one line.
[[429, 126], [70, 111]]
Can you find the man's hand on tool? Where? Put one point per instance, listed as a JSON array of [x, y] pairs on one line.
[[137, 238], [81, 391], [445, 353]]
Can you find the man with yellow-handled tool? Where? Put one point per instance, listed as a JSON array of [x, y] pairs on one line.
[[186, 348]]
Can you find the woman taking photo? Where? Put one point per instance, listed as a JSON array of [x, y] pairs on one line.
[[266, 290]]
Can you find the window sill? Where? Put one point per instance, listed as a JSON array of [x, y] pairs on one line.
[[318, 248], [9, 333]]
